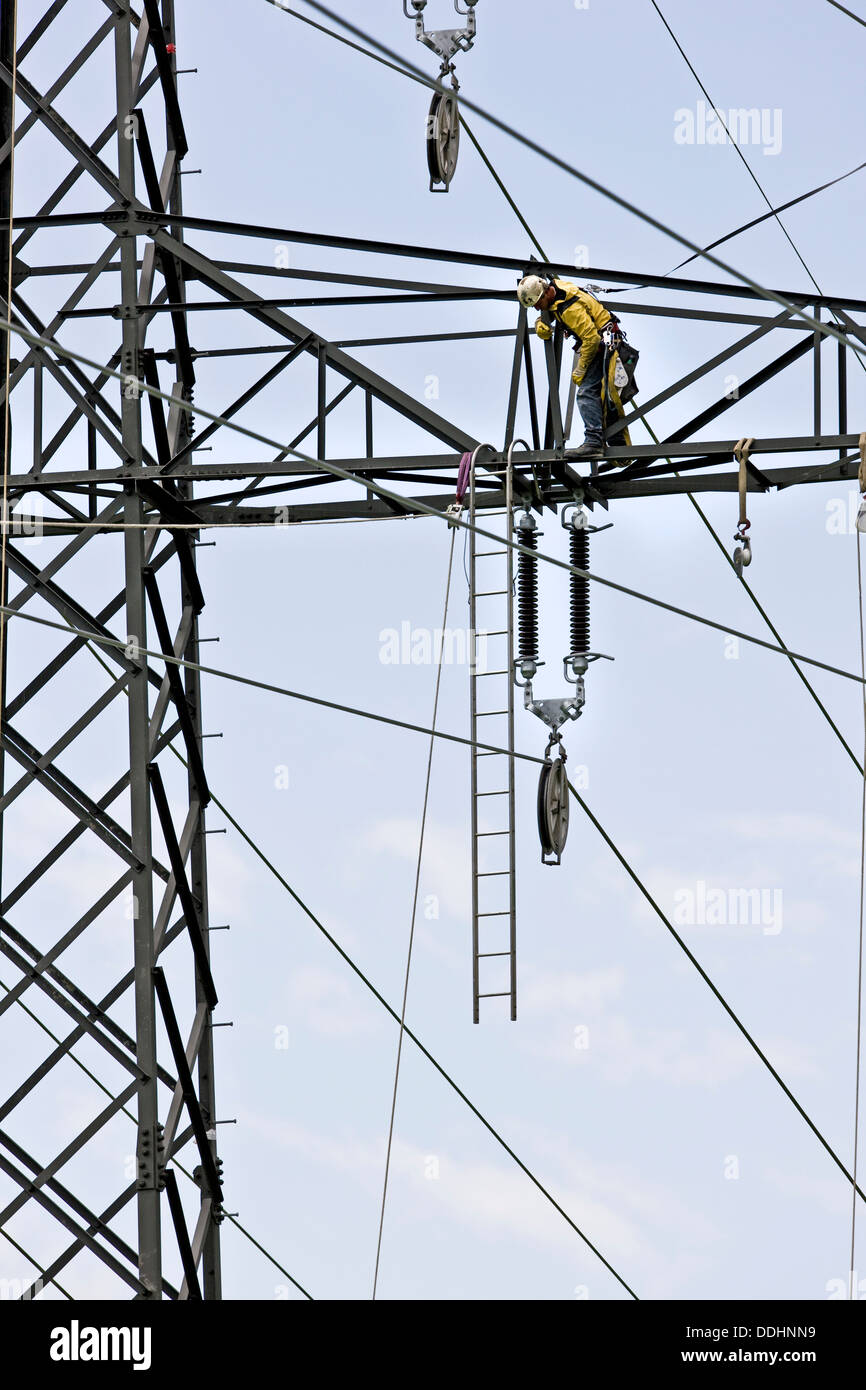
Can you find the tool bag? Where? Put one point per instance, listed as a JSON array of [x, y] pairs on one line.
[[626, 360]]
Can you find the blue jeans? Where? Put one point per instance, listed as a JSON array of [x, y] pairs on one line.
[[589, 398]]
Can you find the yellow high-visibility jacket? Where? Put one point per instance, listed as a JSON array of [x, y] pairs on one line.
[[585, 316]]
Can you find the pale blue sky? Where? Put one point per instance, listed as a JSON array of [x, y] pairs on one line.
[[701, 767]]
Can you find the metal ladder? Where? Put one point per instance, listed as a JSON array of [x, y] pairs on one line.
[[491, 697]]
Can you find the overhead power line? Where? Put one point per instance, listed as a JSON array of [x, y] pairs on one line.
[[406, 72], [524, 757], [320, 926], [849, 13], [717, 992], [585, 179]]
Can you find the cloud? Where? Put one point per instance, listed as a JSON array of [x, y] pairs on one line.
[[445, 862], [625, 1216], [580, 1028], [325, 1003]]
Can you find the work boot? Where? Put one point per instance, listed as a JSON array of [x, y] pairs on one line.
[[590, 449]]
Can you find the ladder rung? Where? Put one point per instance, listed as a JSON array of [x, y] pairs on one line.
[[502, 793], [479, 553], [479, 833], [503, 632], [499, 994], [486, 955], [496, 873], [481, 674], [504, 913], [486, 713], [490, 593], [497, 754]]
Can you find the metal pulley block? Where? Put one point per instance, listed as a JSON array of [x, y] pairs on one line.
[[443, 140], [553, 806], [443, 118], [444, 42]]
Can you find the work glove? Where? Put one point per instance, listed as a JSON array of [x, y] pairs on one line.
[[544, 330], [577, 378]]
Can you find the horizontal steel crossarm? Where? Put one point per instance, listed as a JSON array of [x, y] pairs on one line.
[[209, 472], [210, 306], [791, 444], [436, 253], [205, 270], [608, 485], [41, 1178]]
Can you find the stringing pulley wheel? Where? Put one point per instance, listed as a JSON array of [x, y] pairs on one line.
[[443, 139], [552, 810]]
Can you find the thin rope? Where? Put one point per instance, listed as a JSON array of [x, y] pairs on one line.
[[852, 1293], [412, 924]]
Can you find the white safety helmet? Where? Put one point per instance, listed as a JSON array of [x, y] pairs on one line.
[[530, 290]]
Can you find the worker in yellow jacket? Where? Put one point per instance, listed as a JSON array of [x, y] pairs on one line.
[[585, 318]]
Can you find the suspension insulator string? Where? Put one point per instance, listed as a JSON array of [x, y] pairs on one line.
[[579, 597], [527, 598]]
